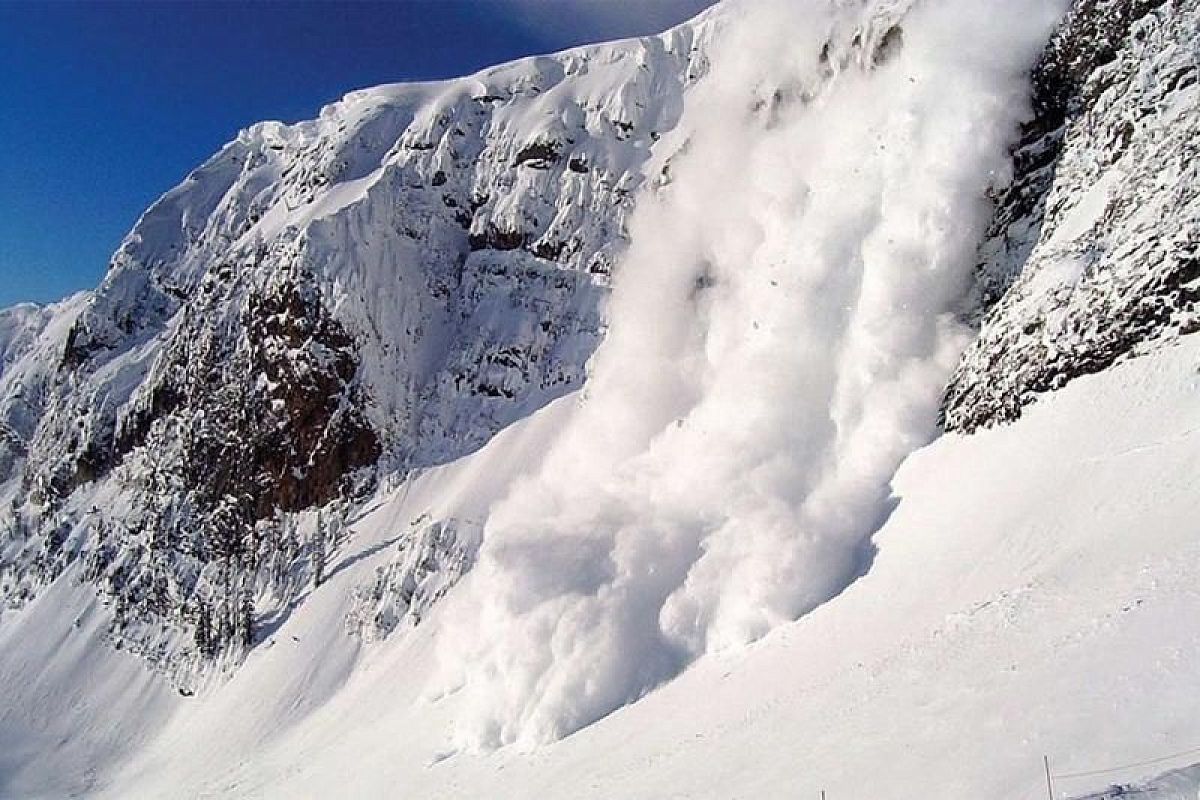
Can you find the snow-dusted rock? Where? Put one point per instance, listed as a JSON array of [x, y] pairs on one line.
[[375, 291], [1095, 250], [428, 558]]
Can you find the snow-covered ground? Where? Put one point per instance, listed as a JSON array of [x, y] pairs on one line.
[[1033, 592]]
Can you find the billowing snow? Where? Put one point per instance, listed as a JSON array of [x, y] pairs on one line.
[[779, 336]]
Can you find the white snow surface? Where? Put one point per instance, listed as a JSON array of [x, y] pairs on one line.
[[1032, 593]]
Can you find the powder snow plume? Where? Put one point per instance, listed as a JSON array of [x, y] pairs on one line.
[[780, 333]]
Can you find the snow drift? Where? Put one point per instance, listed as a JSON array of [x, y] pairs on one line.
[[780, 332]]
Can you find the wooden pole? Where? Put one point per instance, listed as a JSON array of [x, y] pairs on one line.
[[1049, 781]]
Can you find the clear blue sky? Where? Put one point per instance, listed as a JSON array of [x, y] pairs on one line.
[[106, 105]]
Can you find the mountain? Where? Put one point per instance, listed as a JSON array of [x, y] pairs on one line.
[[761, 362], [319, 305]]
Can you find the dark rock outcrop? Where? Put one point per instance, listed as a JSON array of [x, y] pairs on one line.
[[1091, 255]]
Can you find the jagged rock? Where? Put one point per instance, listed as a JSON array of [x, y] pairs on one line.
[[1092, 254]]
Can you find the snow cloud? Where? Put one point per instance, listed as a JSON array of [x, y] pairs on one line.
[[781, 330]]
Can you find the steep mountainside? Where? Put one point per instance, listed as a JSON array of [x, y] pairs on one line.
[[1094, 253], [632, 341], [378, 290]]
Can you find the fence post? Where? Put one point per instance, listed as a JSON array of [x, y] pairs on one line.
[[1049, 782]]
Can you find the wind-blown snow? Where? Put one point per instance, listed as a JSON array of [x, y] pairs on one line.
[[779, 335]]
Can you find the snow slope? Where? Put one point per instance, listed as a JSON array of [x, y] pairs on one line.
[[1032, 593]]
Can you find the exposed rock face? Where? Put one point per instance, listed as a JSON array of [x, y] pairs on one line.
[[1094, 250], [378, 290]]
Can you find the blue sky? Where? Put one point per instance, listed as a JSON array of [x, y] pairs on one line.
[[106, 105]]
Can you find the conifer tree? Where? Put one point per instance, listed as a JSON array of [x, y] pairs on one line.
[[318, 555], [247, 618]]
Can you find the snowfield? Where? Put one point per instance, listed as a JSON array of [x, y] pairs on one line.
[[1033, 592]]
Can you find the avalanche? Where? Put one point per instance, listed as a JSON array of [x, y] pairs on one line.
[[771, 357], [571, 430]]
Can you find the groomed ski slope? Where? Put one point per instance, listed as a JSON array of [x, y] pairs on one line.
[[1033, 593]]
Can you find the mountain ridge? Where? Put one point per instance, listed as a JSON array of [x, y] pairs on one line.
[[237, 278]]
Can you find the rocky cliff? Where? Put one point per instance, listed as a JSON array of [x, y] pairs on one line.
[[1093, 253], [372, 292]]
